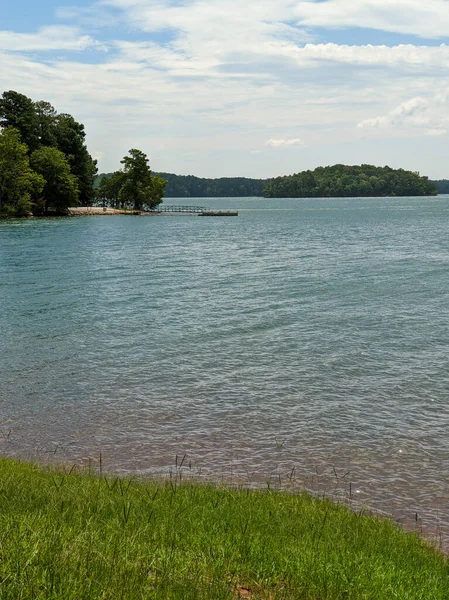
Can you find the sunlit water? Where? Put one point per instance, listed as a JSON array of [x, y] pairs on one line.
[[305, 342]]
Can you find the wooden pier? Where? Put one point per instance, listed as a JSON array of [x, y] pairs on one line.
[[201, 211]]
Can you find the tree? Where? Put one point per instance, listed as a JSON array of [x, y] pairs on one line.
[[46, 116], [108, 191], [140, 189], [40, 125], [18, 111], [61, 189], [70, 139], [18, 182]]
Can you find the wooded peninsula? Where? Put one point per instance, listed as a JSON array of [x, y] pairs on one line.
[[45, 168]]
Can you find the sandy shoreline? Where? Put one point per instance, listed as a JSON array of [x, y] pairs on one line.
[[95, 210]]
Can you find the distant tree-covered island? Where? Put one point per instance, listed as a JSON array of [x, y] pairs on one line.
[[340, 181]]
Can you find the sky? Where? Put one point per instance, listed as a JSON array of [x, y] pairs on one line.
[[255, 88]]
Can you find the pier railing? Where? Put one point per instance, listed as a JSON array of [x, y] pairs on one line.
[[184, 209], [202, 211]]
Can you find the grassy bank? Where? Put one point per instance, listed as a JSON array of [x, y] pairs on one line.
[[73, 536]]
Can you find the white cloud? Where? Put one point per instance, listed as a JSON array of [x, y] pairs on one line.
[[218, 32], [231, 38], [210, 18], [402, 55], [424, 18], [261, 60], [284, 143], [411, 111], [417, 114], [58, 37], [437, 131]]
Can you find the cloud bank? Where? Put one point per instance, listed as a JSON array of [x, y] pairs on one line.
[[204, 86]]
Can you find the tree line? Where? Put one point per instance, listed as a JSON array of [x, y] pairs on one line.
[[442, 186], [350, 181], [336, 181], [189, 186], [45, 166], [185, 186]]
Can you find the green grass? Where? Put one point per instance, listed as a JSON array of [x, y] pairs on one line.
[[73, 536]]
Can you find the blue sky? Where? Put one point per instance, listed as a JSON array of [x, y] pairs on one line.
[[253, 88]]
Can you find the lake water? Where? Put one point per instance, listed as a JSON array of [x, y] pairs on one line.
[[304, 343]]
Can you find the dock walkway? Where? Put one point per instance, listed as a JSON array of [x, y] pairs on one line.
[[202, 211]]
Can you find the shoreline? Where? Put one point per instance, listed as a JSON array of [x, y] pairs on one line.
[[412, 520], [84, 211], [70, 535]]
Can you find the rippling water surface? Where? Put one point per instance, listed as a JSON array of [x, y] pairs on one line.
[[305, 342]]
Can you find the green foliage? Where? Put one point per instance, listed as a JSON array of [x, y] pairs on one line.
[[133, 187], [139, 188], [108, 191], [442, 186], [46, 115], [69, 138], [40, 127], [61, 187], [350, 181], [68, 536], [188, 186], [18, 182], [18, 111]]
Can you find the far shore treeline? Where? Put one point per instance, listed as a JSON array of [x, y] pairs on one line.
[[334, 182], [45, 168], [442, 186]]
